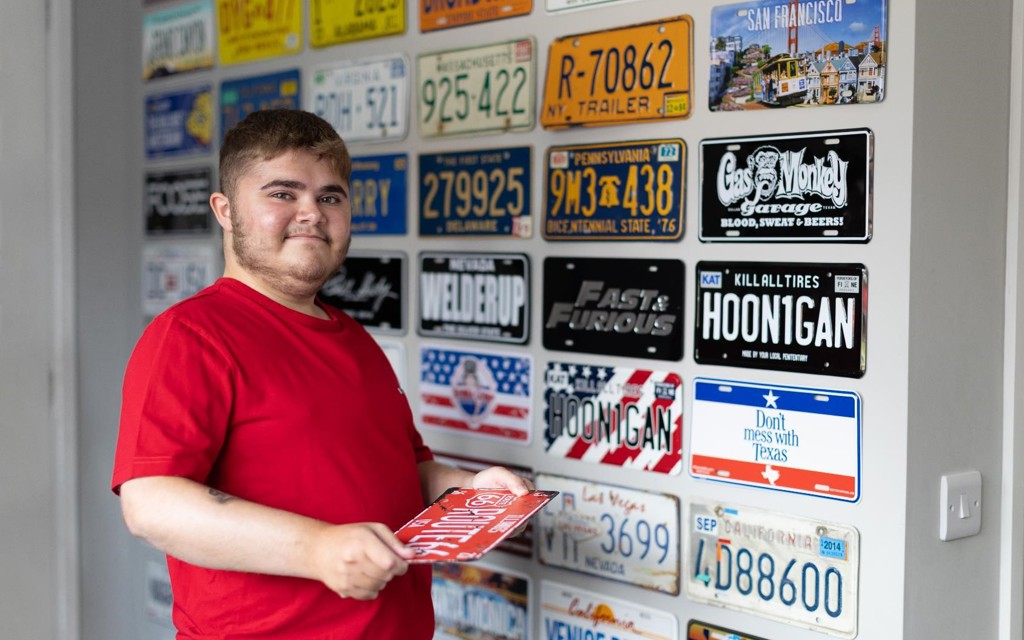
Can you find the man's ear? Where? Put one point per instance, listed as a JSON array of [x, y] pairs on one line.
[[221, 210]]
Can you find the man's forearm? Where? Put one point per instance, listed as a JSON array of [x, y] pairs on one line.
[[436, 478]]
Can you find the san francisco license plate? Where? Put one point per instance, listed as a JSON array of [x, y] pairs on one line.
[[478, 89], [442, 14], [628, 74], [612, 532], [616, 191], [336, 21], [364, 100], [797, 570]]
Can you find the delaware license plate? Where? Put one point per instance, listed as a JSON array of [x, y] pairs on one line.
[[478, 89], [616, 191], [612, 532], [336, 21], [629, 74], [797, 570], [364, 100]]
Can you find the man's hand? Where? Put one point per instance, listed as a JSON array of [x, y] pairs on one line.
[[358, 560], [502, 478]]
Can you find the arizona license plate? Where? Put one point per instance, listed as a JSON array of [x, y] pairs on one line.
[[364, 100], [612, 532], [616, 191], [797, 570], [336, 21], [477, 89], [628, 74]]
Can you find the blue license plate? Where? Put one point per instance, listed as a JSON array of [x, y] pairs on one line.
[[239, 98], [378, 192]]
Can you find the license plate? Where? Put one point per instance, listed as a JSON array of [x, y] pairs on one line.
[[173, 272], [177, 202], [177, 40], [584, 615], [808, 318], [612, 532], [441, 14], [697, 630], [337, 21], [364, 100], [796, 570], [477, 89], [239, 98], [370, 287], [378, 189], [813, 187], [480, 601], [616, 191], [179, 123], [628, 74], [257, 29], [476, 193], [562, 5]]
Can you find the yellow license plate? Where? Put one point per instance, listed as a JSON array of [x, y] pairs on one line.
[[630, 74], [442, 14], [258, 29], [338, 21]]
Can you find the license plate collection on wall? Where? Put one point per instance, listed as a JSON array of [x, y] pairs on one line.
[[610, 361]]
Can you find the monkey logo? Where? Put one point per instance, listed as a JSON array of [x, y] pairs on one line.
[[763, 163]]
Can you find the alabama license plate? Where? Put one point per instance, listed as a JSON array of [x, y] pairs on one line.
[[628, 74], [477, 89], [616, 191], [364, 99], [336, 21], [797, 570]]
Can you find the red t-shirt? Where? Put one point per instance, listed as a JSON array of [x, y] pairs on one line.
[[237, 392]]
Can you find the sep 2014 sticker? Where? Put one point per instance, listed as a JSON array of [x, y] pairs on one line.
[[177, 40], [616, 191], [240, 97], [177, 202], [365, 100], [478, 393], [778, 53], [378, 189], [480, 601], [443, 14], [258, 29], [614, 306], [796, 439], [631, 418], [338, 21], [370, 287], [809, 318], [812, 187], [569, 612], [178, 123]]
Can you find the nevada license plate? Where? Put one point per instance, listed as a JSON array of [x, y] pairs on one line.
[[611, 532], [797, 570], [364, 99], [478, 89], [616, 191], [629, 74]]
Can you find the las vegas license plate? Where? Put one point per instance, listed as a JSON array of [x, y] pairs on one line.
[[364, 99], [627, 74], [797, 570], [612, 532], [616, 191], [477, 89]]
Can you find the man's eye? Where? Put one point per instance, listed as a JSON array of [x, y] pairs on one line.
[[280, 195], [330, 200]]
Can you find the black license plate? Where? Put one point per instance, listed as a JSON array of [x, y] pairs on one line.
[[371, 289]]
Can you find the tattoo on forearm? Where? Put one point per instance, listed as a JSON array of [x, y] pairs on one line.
[[221, 497]]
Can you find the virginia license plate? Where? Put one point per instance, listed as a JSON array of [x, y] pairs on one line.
[[478, 89], [797, 570], [616, 191], [442, 14], [628, 74], [364, 100], [612, 532], [336, 21]]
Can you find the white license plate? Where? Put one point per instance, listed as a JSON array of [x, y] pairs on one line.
[[489, 88], [611, 532], [800, 571], [365, 99]]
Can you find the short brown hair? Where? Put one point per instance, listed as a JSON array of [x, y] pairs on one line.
[[264, 135]]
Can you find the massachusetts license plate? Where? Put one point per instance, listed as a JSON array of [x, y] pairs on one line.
[[478, 89], [616, 191], [627, 74], [336, 21], [612, 532], [797, 570], [443, 14], [476, 193], [812, 187], [808, 318], [364, 99]]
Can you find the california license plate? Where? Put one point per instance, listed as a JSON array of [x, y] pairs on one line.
[[797, 570], [628, 74], [477, 89], [364, 99], [616, 191]]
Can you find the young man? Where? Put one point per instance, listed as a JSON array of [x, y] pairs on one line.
[[265, 444]]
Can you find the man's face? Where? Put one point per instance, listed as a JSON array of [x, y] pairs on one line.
[[291, 222]]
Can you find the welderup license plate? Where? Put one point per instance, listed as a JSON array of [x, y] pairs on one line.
[[628, 74], [477, 89], [808, 318], [616, 191], [796, 570], [364, 99]]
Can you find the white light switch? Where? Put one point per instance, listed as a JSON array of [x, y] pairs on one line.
[[960, 505]]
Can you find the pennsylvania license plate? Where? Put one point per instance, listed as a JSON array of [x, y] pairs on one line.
[[443, 14], [796, 570], [627, 74], [616, 191], [612, 532], [365, 99], [336, 21], [478, 89]]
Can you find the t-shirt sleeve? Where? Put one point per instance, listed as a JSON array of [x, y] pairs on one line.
[[176, 404]]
